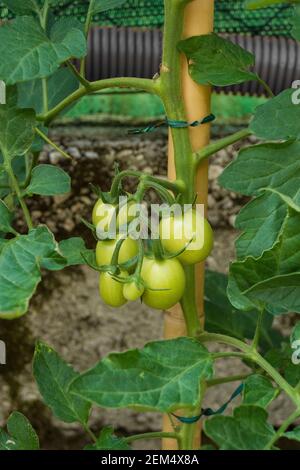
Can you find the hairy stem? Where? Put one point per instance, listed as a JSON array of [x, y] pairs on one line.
[[15, 186], [152, 435], [285, 425], [226, 380], [258, 359], [258, 329], [151, 86], [220, 144]]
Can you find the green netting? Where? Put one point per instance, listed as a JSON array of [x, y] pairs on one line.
[[230, 16]]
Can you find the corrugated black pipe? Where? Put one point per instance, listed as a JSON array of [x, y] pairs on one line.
[[116, 52]]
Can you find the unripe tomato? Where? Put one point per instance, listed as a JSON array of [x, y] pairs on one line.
[[103, 213], [105, 250], [176, 231], [168, 277], [132, 291], [111, 291]]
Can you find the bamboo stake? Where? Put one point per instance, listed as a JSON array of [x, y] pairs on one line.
[[199, 19]]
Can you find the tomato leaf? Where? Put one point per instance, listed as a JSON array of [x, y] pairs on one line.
[[22, 7], [20, 262], [293, 435], [27, 53], [21, 435], [259, 391], [247, 429], [16, 126], [254, 164], [278, 118], [6, 218], [72, 249], [53, 376], [217, 61], [222, 318], [108, 441], [163, 376], [274, 278], [61, 84], [48, 180], [260, 221]]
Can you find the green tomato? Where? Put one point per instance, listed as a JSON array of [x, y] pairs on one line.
[[105, 250], [132, 291], [103, 214], [165, 282], [177, 231], [111, 291]]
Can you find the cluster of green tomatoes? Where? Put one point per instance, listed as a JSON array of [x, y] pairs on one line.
[[132, 269]]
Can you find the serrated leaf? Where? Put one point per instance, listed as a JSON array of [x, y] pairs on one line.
[[16, 126], [21, 435], [281, 359], [293, 435], [247, 429], [60, 85], [274, 278], [108, 441], [49, 180], [6, 218], [53, 376], [20, 261], [259, 391], [278, 118], [214, 60], [163, 376], [222, 318], [27, 53], [72, 250], [250, 172], [22, 7], [261, 221], [104, 5]]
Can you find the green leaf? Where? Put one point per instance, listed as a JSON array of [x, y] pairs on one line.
[[274, 278], [163, 376], [60, 85], [281, 359], [21, 435], [250, 172], [72, 250], [108, 441], [261, 221], [16, 126], [293, 435], [6, 218], [216, 61], [20, 262], [104, 5], [48, 180], [22, 7], [247, 429], [27, 53], [278, 118], [296, 24], [53, 376], [259, 391], [222, 318]]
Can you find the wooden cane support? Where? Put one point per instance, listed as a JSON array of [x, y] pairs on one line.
[[199, 17]]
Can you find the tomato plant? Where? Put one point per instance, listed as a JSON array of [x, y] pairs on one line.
[[37, 51]]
